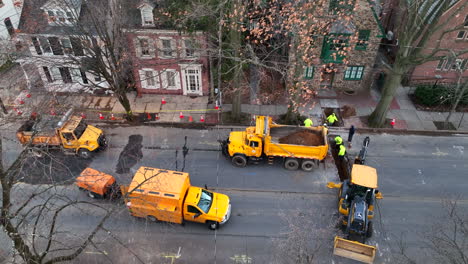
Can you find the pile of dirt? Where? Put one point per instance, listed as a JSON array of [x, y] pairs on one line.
[[348, 111], [303, 137]]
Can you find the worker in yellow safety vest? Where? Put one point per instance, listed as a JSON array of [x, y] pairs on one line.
[[342, 152], [338, 140], [308, 122], [331, 119]]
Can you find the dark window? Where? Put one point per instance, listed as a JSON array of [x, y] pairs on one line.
[[169, 195], [363, 39], [77, 47], [193, 209], [460, 34], [65, 73], [440, 65], [68, 136], [253, 144], [466, 21], [153, 192], [9, 26], [47, 74], [67, 47], [144, 47], [37, 46], [56, 47], [83, 76], [45, 45]]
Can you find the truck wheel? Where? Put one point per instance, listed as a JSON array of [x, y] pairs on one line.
[[94, 195], [84, 153], [239, 161], [291, 164], [309, 165], [213, 225], [370, 230], [152, 218]]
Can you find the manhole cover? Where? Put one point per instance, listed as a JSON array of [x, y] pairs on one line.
[[441, 125]]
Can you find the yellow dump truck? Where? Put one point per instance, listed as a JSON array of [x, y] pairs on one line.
[[161, 195], [299, 147], [69, 134], [356, 199]]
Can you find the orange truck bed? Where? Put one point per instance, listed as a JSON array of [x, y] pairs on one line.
[[95, 181], [38, 139]]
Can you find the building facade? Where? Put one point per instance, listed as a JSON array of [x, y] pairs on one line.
[[359, 37], [449, 69]]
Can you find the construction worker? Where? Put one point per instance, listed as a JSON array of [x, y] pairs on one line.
[[331, 119], [338, 140], [308, 122], [342, 151]]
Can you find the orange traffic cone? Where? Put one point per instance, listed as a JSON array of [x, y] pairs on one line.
[[163, 101], [83, 115], [28, 95], [148, 116], [112, 117], [216, 105], [202, 119], [101, 116], [392, 122], [190, 119], [21, 101], [181, 115], [156, 116], [52, 112]]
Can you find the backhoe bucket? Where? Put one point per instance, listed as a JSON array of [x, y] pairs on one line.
[[354, 250]]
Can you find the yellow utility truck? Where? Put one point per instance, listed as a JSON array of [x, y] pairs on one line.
[[356, 199], [69, 134], [162, 195], [299, 147]]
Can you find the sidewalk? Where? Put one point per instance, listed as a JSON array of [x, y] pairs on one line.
[[150, 108]]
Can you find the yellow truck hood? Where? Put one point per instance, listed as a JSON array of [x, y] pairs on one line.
[[220, 206], [236, 142], [91, 134]]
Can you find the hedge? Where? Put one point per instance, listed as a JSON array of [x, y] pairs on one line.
[[431, 95]]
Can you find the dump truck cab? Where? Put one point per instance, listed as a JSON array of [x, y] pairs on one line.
[[166, 195], [76, 134]]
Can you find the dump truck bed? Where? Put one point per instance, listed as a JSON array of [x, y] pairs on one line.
[[299, 142], [95, 181], [44, 132]]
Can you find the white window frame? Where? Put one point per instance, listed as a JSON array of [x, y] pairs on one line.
[[139, 51], [165, 81], [55, 74], [161, 49], [144, 83], [195, 48], [145, 22], [186, 75]]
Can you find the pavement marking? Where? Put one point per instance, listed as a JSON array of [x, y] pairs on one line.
[[439, 153], [460, 148], [422, 176], [171, 256], [241, 259], [100, 253]]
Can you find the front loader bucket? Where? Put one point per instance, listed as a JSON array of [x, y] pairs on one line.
[[354, 250]]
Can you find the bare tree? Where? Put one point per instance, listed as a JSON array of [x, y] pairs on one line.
[[420, 24]]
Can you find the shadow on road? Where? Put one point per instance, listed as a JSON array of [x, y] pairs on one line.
[[130, 155]]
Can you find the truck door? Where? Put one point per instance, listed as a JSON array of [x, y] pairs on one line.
[[255, 148], [68, 140], [194, 214]]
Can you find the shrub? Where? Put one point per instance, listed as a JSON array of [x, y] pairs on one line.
[[430, 95]]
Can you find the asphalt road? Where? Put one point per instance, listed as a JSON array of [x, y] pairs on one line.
[[415, 174]]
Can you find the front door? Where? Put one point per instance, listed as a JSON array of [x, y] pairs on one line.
[[69, 140], [254, 149], [194, 214]]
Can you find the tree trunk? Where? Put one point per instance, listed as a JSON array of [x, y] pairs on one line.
[[254, 82], [123, 99], [236, 106], [377, 118], [3, 107], [459, 92]]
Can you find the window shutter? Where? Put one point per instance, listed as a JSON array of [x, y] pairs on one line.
[[142, 78], [173, 48], [136, 43], [152, 49]]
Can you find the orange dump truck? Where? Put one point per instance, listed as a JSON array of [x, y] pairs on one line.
[[98, 184], [162, 195]]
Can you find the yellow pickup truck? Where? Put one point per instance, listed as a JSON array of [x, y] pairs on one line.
[[69, 133], [299, 147]]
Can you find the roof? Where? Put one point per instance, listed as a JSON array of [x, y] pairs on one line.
[[167, 181], [364, 176]]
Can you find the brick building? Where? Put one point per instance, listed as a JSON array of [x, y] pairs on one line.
[[352, 72], [167, 61], [446, 70]]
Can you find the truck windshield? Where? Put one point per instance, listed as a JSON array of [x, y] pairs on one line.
[[80, 129], [205, 200]]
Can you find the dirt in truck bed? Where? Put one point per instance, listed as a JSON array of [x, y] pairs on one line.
[[303, 137]]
